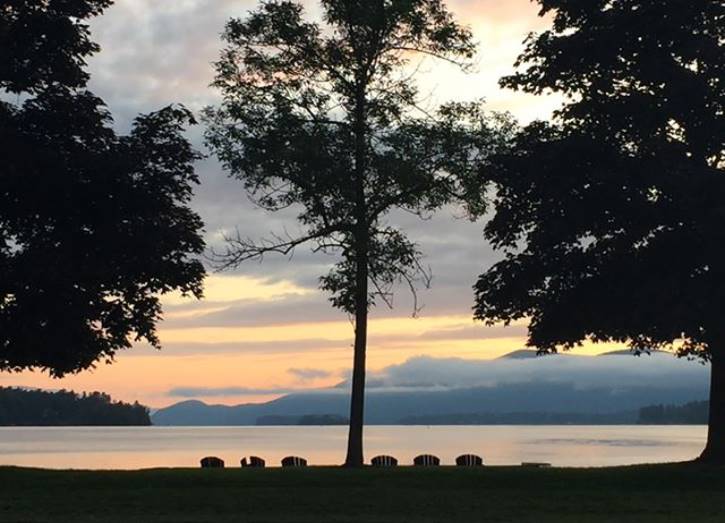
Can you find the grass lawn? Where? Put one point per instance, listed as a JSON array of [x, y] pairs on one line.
[[685, 492]]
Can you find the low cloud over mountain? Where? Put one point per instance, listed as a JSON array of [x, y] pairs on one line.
[[615, 371], [519, 383]]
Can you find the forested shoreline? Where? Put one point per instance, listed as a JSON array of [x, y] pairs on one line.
[[693, 413], [24, 407]]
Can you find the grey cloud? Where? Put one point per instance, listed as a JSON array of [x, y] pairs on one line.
[[314, 307], [476, 333], [619, 375], [276, 347], [304, 375], [248, 313], [584, 372], [203, 392]]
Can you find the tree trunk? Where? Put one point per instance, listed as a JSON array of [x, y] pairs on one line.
[[362, 244], [357, 397], [714, 452]]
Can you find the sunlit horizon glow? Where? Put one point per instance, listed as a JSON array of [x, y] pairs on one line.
[[258, 324]]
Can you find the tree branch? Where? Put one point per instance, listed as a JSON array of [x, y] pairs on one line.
[[240, 250]]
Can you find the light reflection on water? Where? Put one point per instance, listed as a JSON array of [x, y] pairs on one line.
[[147, 447]]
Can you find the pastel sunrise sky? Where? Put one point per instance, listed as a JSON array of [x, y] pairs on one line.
[[266, 329]]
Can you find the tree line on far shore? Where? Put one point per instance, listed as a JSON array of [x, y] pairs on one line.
[[39, 408], [693, 413]]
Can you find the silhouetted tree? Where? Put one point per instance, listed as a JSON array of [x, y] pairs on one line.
[[93, 226], [612, 216], [323, 116], [693, 413], [46, 42], [39, 408]]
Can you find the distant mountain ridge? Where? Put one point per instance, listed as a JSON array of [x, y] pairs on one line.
[[394, 407], [519, 388], [522, 354]]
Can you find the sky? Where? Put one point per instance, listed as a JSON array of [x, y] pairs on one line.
[[266, 327]]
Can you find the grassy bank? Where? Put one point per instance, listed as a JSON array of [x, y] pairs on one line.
[[634, 494]]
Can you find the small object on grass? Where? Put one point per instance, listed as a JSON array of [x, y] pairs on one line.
[[384, 461], [294, 461], [535, 465], [426, 460], [212, 462], [253, 462], [469, 460]]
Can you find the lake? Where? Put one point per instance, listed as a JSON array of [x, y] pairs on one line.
[[149, 447]]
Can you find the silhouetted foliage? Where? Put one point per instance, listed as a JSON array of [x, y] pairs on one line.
[[93, 226], [45, 43], [693, 413], [611, 216], [326, 117], [524, 418], [306, 419], [38, 408]]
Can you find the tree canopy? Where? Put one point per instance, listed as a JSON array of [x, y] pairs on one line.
[[325, 117], [46, 42], [611, 215], [93, 226], [39, 408]]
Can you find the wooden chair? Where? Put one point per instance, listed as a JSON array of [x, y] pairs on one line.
[[426, 460], [212, 462], [294, 461], [469, 460], [253, 463], [384, 461]]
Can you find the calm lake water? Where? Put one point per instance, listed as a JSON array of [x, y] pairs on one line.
[[147, 447]]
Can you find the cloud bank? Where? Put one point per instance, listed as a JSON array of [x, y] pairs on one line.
[[614, 372]]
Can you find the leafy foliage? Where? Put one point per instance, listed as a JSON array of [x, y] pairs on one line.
[[38, 408], [611, 216], [93, 226], [45, 42], [326, 118]]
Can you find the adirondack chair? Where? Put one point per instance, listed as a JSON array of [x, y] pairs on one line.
[[426, 460], [384, 461], [212, 462], [253, 462], [294, 461], [469, 460]]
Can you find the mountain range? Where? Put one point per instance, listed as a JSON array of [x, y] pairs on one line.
[[517, 388]]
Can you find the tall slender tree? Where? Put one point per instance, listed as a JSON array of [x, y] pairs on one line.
[[611, 217], [326, 117], [93, 226]]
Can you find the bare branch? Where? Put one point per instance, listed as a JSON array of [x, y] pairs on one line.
[[438, 56], [239, 249]]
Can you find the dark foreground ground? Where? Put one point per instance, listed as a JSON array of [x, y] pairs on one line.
[[688, 493]]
